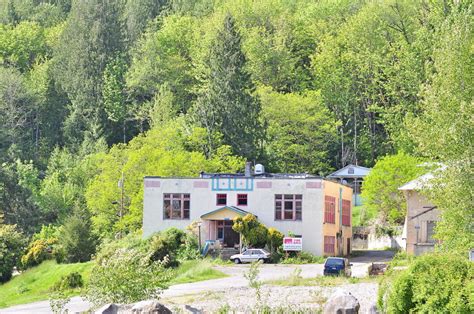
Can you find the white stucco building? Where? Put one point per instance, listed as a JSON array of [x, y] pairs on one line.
[[310, 207]]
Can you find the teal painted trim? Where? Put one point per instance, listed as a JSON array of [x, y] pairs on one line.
[[233, 187]]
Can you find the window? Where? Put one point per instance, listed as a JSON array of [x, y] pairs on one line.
[[288, 206], [221, 199], [241, 199], [350, 170], [176, 206], [220, 229], [430, 226], [346, 212], [330, 209], [329, 243]]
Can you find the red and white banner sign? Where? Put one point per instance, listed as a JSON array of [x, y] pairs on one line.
[[292, 244]]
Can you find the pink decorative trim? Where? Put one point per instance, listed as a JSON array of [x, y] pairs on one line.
[[313, 185], [201, 184], [264, 185], [152, 184]]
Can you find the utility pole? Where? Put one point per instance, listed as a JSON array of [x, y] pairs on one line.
[[121, 186]]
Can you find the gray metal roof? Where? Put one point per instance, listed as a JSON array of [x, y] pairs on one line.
[[350, 171]]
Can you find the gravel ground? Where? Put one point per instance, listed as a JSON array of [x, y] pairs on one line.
[[243, 299]]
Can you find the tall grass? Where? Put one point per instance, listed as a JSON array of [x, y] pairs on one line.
[[195, 270]]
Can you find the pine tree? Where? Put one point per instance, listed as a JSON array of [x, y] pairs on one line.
[[92, 38], [227, 104]]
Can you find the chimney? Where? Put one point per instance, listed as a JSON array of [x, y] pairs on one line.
[[248, 169]]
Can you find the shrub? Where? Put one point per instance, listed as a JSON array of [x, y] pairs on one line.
[[11, 246], [38, 251], [173, 244], [41, 247], [165, 245], [380, 188], [254, 234], [275, 239], [432, 282], [70, 281], [189, 250], [302, 258], [76, 242], [129, 275]]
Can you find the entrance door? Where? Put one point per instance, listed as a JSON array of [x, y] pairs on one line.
[[231, 238]]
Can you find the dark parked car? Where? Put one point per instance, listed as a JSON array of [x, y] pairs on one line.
[[337, 266]]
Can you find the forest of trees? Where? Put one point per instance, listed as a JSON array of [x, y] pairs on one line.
[[99, 90]]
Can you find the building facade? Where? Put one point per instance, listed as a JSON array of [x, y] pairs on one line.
[[421, 217], [317, 210]]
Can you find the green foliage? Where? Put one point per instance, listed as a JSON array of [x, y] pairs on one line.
[[16, 115], [301, 131], [226, 103], [275, 239], [362, 216], [339, 82], [38, 251], [167, 52], [254, 234], [70, 281], [164, 151], [114, 90], [22, 45], [92, 37], [42, 246], [432, 282], [252, 276], [58, 299], [11, 246], [195, 270], [380, 187], [302, 258], [126, 276], [36, 283], [444, 131], [76, 242], [164, 246]]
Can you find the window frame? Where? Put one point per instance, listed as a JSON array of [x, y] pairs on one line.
[[329, 242], [329, 209], [346, 212], [240, 196], [281, 210], [181, 199], [221, 196]]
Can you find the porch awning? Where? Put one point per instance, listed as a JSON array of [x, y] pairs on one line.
[[225, 213]]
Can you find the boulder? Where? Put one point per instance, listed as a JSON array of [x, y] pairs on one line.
[[341, 302], [108, 309], [149, 307]]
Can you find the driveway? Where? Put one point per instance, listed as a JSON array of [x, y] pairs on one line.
[[236, 279]]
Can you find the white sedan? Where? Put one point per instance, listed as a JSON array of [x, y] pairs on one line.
[[251, 255]]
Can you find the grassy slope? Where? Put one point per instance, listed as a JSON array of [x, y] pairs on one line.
[[361, 215], [34, 284], [195, 270]]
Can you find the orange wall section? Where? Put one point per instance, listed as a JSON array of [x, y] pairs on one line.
[[334, 189]]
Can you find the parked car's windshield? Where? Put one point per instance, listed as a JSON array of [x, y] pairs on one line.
[[334, 262]]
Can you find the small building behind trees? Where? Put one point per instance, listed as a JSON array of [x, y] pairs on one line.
[[352, 175], [421, 217]]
